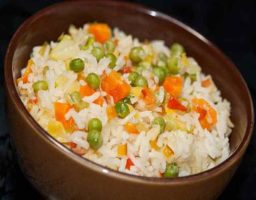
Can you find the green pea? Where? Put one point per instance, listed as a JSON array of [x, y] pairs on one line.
[[160, 121], [98, 53], [93, 80], [94, 138], [191, 76], [137, 54], [76, 65], [171, 170], [177, 49], [139, 69], [142, 66], [161, 63], [109, 46], [160, 73], [173, 65], [127, 100], [132, 77], [122, 109], [94, 123], [40, 85], [89, 43], [112, 59], [141, 81], [166, 70], [145, 64]]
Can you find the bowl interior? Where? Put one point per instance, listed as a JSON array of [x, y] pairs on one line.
[[144, 24]]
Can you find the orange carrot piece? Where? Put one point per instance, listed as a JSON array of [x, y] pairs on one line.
[[131, 128], [100, 100], [28, 70], [111, 112], [115, 86], [72, 144], [148, 97], [60, 111], [33, 101], [206, 83], [173, 85], [129, 163], [127, 69], [121, 91], [78, 150], [207, 114], [173, 103], [116, 42], [101, 32], [167, 151], [202, 113], [86, 91]]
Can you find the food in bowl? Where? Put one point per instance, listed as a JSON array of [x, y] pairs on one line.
[[137, 107]]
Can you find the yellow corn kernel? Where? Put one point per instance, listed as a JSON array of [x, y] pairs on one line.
[[116, 53], [136, 91], [75, 86], [184, 59], [149, 58], [153, 144], [30, 63], [126, 58], [167, 151], [168, 110], [56, 130], [136, 115], [122, 149]]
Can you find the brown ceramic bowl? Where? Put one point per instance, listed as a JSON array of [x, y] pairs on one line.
[[57, 172]]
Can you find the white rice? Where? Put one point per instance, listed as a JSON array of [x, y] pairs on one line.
[[193, 151]]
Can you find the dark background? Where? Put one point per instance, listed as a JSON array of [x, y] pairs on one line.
[[230, 24]]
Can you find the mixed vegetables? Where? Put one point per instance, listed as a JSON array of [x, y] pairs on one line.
[[147, 81]]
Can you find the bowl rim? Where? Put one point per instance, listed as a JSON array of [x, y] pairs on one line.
[[13, 94]]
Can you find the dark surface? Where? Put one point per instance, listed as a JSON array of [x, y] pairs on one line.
[[229, 24]]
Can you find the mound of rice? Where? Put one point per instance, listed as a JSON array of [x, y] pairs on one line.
[[193, 135]]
